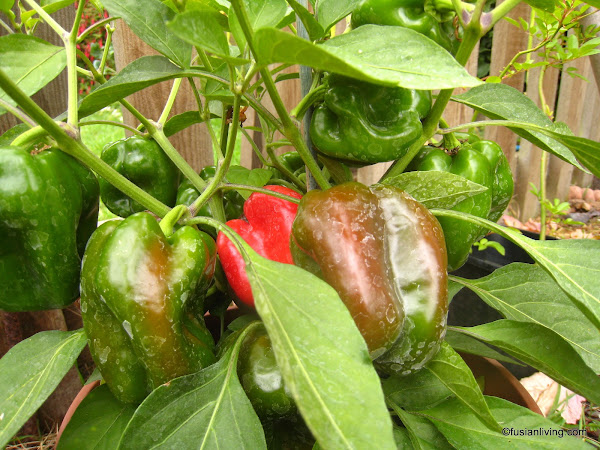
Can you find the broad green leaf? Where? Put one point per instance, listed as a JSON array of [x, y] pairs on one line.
[[594, 3], [141, 73], [402, 438], [436, 189], [313, 28], [261, 14], [453, 289], [499, 101], [467, 344], [98, 422], [30, 62], [393, 56], [30, 372], [543, 349], [147, 19], [203, 31], [330, 12], [545, 5], [525, 293], [12, 133], [573, 263], [207, 410], [454, 373], [417, 391], [181, 121], [323, 358], [254, 177], [423, 434], [463, 429]]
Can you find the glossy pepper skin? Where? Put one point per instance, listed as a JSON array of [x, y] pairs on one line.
[[266, 228], [384, 253], [144, 163], [140, 292], [403, 13], [261, 377], [233, 202], [361, 123], [482, 162], [48, 210]]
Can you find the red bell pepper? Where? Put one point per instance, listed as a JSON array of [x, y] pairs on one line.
[[266, 227]]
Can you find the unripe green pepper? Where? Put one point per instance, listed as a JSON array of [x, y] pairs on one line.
[[140, 295], [261, 377], [233, 202], [384, 253], [146, 165], [403, 13], [482, 162], [48, 210], [362, 123]]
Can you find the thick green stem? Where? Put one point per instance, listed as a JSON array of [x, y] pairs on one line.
[[17, 113], [46, 18], [71, 52], [543, 167], [168, 222], [93, 27], [310, 98], [109, 32], [500, 11], [29, 136], [224, 166]]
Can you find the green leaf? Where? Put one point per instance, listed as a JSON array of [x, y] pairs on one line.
[[594, 3], [254, 177], [12, 133], [525, 293], [30, 62], [323, 358], [98, 422], [573, 263], [203, 31], [147, 19], [423, 434], [208, 410], [313, 28], [499, 101], [261, 13], [141, 73], [402, 438], [454, 373], [6, 5], [543, 349], [463, 429], [370, 53], [30, 372], [416, 391], [468, 344], [436, 189], [545, 5], [330, 12], [181, 121]]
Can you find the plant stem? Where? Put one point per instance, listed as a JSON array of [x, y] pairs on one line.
[[65, 137], [17, 113], [92, 27], [224, 166], [29, 136], [307, 101], [290, 130], [170, 101], [500, 11], [543, 159], [109, 32], [288, 173], [110, 122], [243, 187], [71, 50]]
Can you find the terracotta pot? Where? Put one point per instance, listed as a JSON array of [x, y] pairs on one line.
[[499, 382]]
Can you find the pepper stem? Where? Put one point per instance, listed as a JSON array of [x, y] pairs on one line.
[[168, 222]]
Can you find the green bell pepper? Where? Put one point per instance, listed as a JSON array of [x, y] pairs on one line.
[[144, 163], [482, 162], [48, 210], [141, 301], [362, 123], [261, 377], [404, 13]]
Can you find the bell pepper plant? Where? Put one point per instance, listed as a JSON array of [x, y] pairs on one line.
[[343, 289]]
